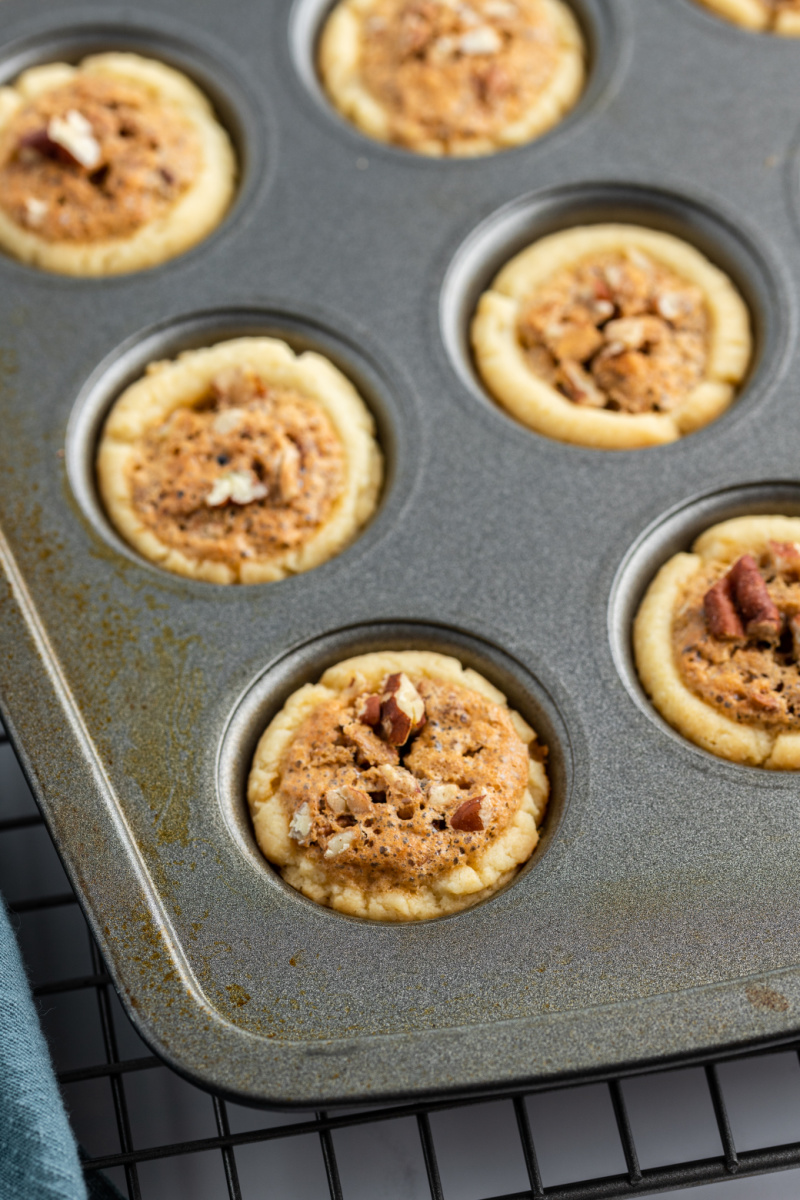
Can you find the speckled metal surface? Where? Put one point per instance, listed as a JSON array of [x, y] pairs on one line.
[[667, 885]]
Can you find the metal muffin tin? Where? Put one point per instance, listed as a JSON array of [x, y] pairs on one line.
[[659, 918]]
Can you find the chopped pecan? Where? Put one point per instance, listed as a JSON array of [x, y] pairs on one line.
[[39, 141], [289, 472], [371, 749], [760, 616], [300, 826], [467, 817], [794, 629], [370, 711], [340, 842], [402, 710], [441, 795], [763, 697], [579, 385], [402, 791], [236, 487], [785, 557], [722, 618], [66, 139], [345, 798]]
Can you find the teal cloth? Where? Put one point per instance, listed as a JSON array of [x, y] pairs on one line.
[[38, 1155]]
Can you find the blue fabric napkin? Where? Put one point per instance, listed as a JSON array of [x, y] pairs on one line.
[[38, 1155]]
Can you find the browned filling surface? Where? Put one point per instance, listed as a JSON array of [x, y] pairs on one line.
[[618, 332], [94, 159], [407, 810], [250, 473], [751, 676], [456, 71]]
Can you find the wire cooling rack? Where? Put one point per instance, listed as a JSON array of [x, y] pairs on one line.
[[156, 1136]]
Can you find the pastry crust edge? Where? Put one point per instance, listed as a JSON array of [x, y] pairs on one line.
[[504, 370], [655, 662], [338, 64], [751, 15], [193, 217], [181, 383], [457, 889]]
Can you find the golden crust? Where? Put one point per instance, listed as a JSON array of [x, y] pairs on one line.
[[193, 216], [183, 383], [756, 16], [655, 662], [455, 889], [534, 402], [339, 54]]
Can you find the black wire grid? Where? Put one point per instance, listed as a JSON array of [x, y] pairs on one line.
[[118, 1070]]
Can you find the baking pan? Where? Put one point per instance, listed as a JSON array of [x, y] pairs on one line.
[[659, 918]]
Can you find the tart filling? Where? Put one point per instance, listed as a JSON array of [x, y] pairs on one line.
[[766, 16], [240, 463], [612, 336], [109, 166], [441, 77], [400, 787], [717, 641]]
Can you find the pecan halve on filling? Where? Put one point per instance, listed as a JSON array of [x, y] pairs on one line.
[[736, 637], [94, 159], [404, 783], [251, 472], [462, 71], [617, 332]]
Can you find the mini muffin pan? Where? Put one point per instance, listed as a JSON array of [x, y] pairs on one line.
[[657, 919]]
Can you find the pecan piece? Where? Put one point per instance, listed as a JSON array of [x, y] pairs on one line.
[[794, 629], [467, 817], [67, 139], [402, 710], [761, 618], [340, 842], [722, 618], [785, 557], [370, 711], [345, 799], [289, 472], [300, 826]]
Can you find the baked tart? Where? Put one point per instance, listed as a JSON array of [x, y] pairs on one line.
[[400, 787], [439, 77], [112, 165], [717, 641], [240, 463], [612, 336]]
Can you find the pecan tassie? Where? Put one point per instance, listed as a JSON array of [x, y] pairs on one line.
[[453, 78], [737, 641], [400, 787], [96, 158], [617, 332]]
